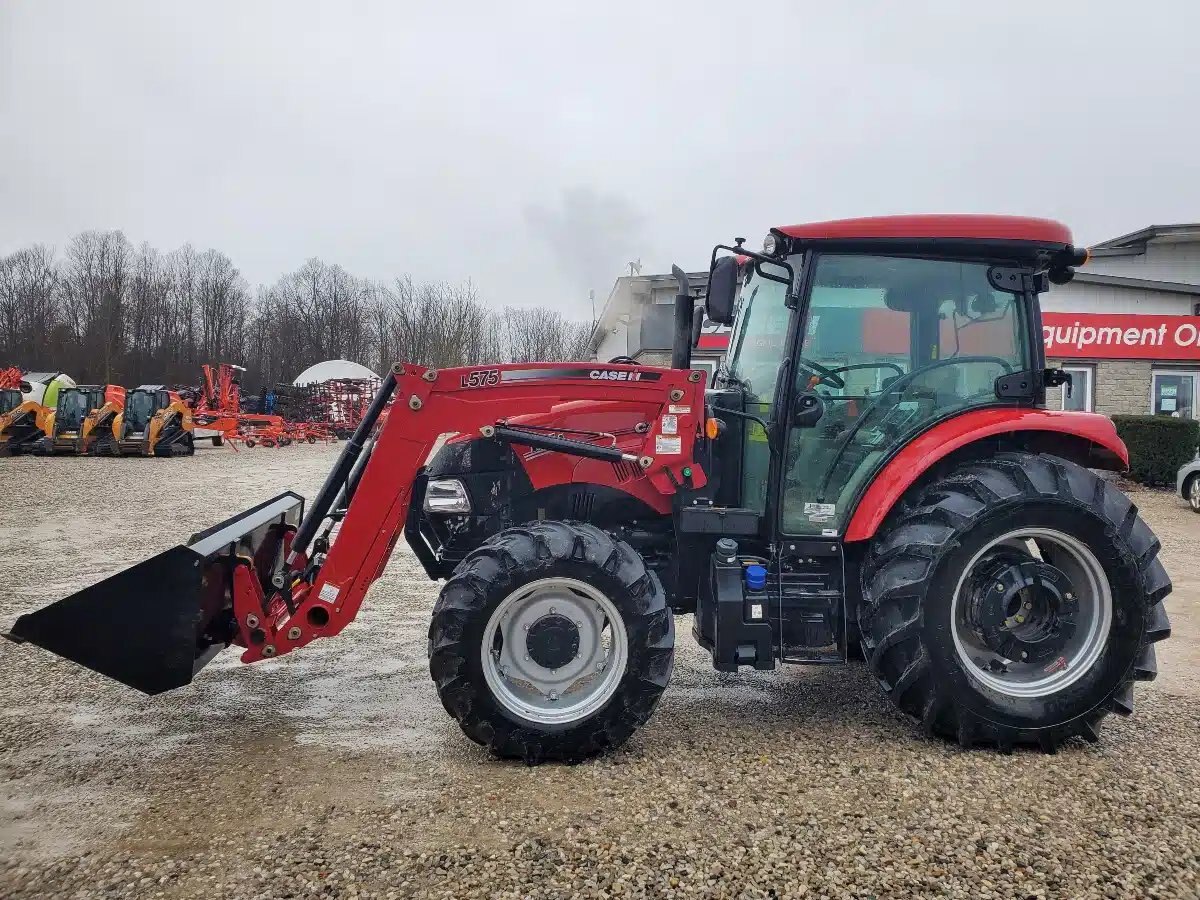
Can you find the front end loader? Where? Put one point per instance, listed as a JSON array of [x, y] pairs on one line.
[[874, 471]]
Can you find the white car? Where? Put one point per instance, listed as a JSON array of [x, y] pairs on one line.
[[1187, 482]]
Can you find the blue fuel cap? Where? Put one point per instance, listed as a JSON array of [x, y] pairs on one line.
[[756, 577]]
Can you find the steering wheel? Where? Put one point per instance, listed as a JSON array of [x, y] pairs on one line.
[[824, 375], [624, 361], [895, 387], [871, 365], [905, 380]]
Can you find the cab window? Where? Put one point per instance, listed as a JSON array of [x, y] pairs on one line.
[[890, 344]]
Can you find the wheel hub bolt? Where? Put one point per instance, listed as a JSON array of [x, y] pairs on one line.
[[552, 610], [554, 695], [1024, 655]]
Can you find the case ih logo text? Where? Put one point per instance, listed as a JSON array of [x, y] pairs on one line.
[[613, 375]]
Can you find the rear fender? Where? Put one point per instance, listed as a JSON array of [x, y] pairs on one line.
[[1086, 438]]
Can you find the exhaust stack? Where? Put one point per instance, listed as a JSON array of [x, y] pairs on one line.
[[681, 348]]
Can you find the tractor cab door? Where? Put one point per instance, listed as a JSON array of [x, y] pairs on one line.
[[890, 345], [756, 352]]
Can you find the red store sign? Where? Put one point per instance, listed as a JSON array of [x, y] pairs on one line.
[[1075, 336], [1121, 336]]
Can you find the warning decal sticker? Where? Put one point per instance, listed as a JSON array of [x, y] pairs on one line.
[[668, 445]]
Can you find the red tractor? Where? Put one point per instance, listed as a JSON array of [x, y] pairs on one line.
[[874, 467]]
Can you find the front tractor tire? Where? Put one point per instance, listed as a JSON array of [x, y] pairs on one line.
[[1014, 601], [551, 641]]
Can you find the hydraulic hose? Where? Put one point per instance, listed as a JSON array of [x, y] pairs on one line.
[[341, 470]]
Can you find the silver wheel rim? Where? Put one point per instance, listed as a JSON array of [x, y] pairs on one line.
[[577, 688], [1194, 493], [1093, 595]]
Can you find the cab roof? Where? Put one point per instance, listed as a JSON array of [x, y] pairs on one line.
[[987, 228]]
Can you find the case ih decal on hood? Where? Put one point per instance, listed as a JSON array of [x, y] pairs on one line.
[[593, 374]]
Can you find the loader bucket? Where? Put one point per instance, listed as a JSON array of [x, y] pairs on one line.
[[156, 624]]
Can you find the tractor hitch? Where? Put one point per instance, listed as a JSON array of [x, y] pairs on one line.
[[158, 623]]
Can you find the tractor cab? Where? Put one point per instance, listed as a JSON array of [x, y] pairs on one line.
[[846, 350], [850, 340]]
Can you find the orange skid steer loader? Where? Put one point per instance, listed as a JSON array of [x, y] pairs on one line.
[[27, 409], [873, 470], [153, 422], [83, 415]]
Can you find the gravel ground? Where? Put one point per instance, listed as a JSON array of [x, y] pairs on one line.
[[334, 772]]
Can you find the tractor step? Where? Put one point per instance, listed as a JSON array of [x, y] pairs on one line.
[[811, 603]]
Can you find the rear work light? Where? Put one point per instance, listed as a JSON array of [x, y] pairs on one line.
[[446, 495]]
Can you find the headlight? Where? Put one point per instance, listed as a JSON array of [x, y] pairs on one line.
[[446, 495], [771, 245]]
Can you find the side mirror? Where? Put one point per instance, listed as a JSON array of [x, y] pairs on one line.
[[697, 325], [722, 290], [808, 411]]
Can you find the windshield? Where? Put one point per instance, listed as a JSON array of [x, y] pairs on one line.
[[139, 410], [73, 407]]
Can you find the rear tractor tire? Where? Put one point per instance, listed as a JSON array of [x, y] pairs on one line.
[[551, 641], [1014, 601]]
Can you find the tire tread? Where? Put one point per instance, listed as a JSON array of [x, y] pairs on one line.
[[903, 558]]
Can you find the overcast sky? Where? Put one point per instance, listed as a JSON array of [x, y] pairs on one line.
[[537, 147]]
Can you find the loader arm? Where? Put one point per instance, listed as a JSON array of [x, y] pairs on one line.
[[327, 592], [272, 580]]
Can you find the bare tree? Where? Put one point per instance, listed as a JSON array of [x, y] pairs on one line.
[[541, 334], [30, 311], [107, 311], [95, 276]]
